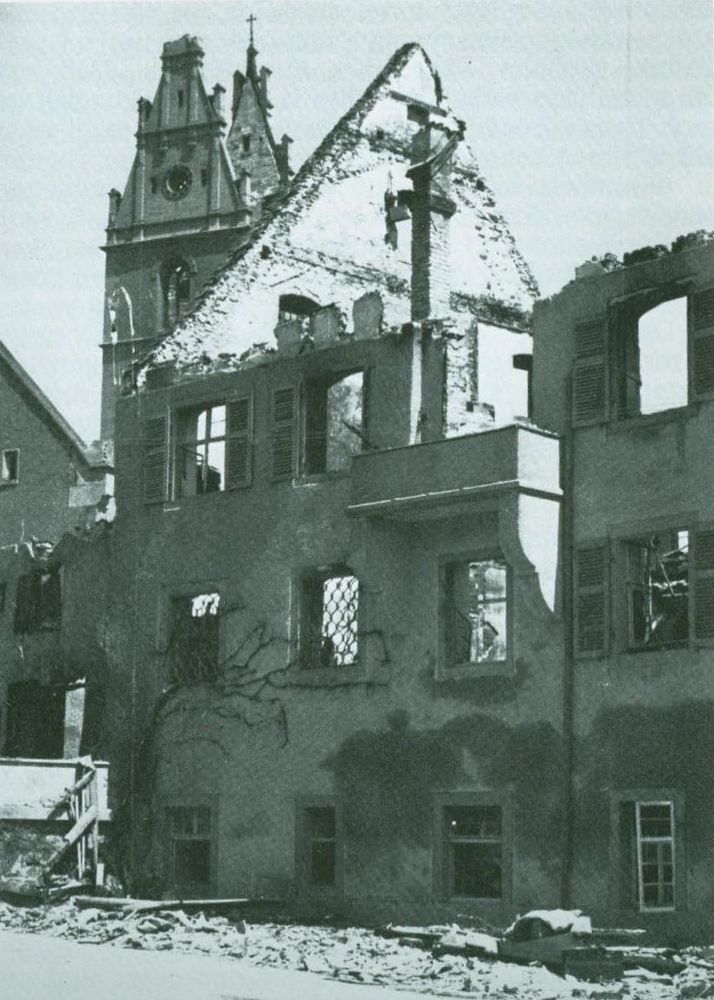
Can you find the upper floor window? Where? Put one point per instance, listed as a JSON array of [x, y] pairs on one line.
[[194, 638], [296, 307], [653, 351], [652, 370], [475, 609], [10, 466], [213, 448], [38, 601], [646, 592], [333, 422], [329, 632], [658, 589]]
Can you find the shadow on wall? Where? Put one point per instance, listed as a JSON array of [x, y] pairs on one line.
[[387, 779]]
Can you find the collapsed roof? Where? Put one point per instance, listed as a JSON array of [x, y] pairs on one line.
[[324, 239]]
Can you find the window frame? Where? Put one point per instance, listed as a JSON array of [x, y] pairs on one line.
[[631, 645], [445, 669], [210, 802], [606, 361], [441, 857], [629, 897], [303, 844], [184, 412], [7, 481], [312, 576], [324, 381]]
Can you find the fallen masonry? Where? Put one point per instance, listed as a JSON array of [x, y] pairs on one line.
[[409, 957]]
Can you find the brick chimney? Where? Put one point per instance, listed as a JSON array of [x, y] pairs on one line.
[[432, 153]]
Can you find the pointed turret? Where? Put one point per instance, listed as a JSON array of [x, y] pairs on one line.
[[261, 165]]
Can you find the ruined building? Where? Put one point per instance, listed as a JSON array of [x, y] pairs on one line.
[[337, 548], [193, 194]]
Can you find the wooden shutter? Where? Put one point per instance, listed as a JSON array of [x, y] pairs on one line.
[[154, 454], [239, 443], [703, 584], [590, 600], [283, 433], [589, 371], [703, 342]]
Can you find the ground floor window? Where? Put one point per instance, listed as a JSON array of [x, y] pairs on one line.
[[318, 843], [190, 845], [473, 842], [649, 863], [329, 619]]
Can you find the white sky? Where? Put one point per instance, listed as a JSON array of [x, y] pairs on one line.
[[592, 121]]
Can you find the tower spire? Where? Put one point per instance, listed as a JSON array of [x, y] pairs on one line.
[[251, 68]]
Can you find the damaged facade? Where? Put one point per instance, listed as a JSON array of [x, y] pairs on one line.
[[399, 618], [339, 548]]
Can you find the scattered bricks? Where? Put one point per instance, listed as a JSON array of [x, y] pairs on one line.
[[367, 315]]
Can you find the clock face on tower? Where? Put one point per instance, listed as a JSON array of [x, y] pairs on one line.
[[178, 181]]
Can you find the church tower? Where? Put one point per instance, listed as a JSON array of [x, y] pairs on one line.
[[192, 197]]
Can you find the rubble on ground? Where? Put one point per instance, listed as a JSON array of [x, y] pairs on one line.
[[437, 961]]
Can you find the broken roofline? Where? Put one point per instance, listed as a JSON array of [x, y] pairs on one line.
[[491, 310]]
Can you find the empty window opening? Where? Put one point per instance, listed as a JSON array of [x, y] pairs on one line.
[[296, 307], [202, 451], [474, 863], [190, 845], [658, 589], [177, 293], [194, 638], [647, 831], [333, 422], [245, 143], [154, 185], [180, 98], [330, 606], [476, 612], [10, 468], [204, 176], [321, 844], [35, 720], [524, 363], [654, 362], [38, 601]]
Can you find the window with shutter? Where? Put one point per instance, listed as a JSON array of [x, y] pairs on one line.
[[704, 584], [334, 421], [591, 600], [658, 589], [283, 433], [239, 444], [589, 371], [703, 342], [154, 460]]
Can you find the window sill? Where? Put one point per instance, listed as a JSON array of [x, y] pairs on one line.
[[9, 482], [309, 479], [476, 671], [660, 647], [625, 424]]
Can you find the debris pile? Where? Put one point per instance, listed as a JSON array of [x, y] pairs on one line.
[[441, 961]]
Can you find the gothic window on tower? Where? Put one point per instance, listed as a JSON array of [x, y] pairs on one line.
[[177, 292]]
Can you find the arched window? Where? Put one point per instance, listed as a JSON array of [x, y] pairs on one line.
[[298, 307], [176, 287]]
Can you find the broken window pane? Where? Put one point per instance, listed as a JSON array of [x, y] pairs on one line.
[[202, 452], [320, 831], [476, 610], [333, 422], [330, 620], [194, 638], [474, 846], [658, 588]]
